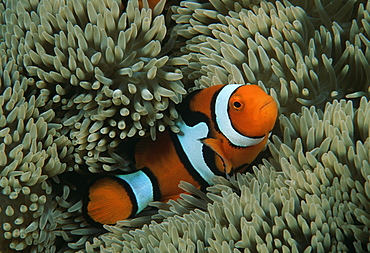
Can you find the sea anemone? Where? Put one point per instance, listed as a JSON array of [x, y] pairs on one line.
[[31, 151], [104, 71], [80, 79], [275, 44]]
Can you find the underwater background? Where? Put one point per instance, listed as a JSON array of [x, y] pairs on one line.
[[80, 78]]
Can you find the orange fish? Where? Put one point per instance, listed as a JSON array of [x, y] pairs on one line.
[[151, 3], [223, 129]]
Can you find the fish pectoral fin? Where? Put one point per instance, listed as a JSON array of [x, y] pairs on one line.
[[217, 147]]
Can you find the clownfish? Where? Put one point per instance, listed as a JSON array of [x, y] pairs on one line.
[[151, 3], [223, 129]]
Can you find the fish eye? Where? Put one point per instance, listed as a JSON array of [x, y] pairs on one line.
[[237, 104]]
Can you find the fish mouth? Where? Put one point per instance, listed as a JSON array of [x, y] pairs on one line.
[[267, 103]]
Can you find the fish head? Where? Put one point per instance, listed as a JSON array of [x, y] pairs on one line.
[[252, 111], [244, 116]]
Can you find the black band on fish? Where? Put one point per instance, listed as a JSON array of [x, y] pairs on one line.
[[156, 191], [191, 118], [209, 157], [223, 121]]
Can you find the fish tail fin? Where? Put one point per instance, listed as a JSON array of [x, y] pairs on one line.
[[108, 201]]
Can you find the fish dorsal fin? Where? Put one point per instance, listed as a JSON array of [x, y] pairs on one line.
[[142, 147], [147, 150], [190, 117], [216, 146]]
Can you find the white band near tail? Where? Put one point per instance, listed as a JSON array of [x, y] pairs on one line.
[[223, 120], [142, 188]]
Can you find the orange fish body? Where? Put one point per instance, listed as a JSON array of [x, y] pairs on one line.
[[151, 4], [223, 129]]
